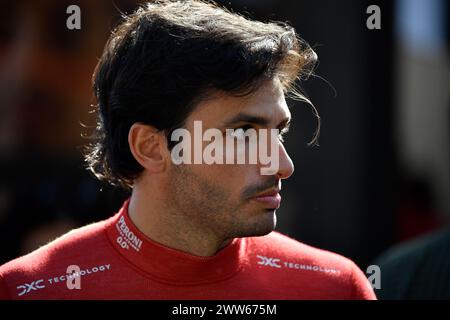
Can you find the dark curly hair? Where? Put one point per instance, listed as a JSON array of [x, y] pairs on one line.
[[166, 57]]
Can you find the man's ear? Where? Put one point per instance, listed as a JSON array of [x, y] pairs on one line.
[[148, 147]]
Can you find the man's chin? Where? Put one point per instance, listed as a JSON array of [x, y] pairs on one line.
[[272, 221], [264, 224]]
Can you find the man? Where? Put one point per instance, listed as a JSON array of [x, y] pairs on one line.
[[198, 224]]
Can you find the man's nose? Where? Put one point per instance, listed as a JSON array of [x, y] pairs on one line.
[[286, 168]]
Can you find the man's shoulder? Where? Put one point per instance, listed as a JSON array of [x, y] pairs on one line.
[[295, 254], [74, 246], [323, 274]]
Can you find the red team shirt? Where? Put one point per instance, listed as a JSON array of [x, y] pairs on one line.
[[117, 261]]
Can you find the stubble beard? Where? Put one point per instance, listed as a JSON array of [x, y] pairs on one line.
[[208, 207]]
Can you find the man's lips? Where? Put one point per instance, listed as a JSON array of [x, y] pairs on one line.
[[270, 199]]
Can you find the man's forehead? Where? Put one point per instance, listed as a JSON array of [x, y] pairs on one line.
[[268, 102]]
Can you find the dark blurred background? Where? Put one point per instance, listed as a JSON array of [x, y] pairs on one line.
[[379, 177]]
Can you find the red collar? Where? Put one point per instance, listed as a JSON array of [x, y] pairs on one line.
[[170, 265]]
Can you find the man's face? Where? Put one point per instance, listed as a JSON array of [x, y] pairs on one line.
[[221, 197]]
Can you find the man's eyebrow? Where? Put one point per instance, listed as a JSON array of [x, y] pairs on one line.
[[242, 117]]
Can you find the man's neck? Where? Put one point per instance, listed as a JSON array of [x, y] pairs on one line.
[[152, 217]]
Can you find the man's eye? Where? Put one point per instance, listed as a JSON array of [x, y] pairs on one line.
[[282, 134], [243, 131], [245, 127]]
